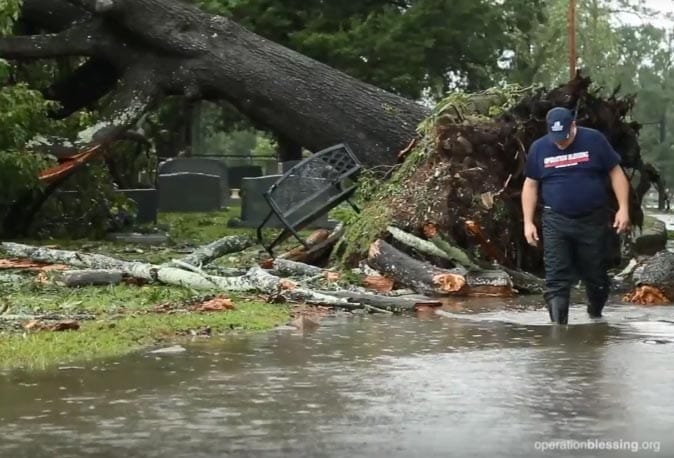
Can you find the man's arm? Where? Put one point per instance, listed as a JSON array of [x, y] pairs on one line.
[[529, 201], [621, 188]]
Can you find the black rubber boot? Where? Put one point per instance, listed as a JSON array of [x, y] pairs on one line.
[[595, 303], [594, 310], [559, 310]]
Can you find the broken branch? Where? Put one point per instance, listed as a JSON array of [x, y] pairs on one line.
[[287, 268], [75, 41], [214, 250], [75, 278]]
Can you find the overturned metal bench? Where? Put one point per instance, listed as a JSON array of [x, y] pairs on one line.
[[309, 190]]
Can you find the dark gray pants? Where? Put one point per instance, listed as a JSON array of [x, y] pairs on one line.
[[576, 248]]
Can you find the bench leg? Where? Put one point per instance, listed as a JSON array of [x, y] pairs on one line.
[[259, 233], [297, 236]]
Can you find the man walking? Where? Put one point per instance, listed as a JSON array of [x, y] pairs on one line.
[[573, 167]]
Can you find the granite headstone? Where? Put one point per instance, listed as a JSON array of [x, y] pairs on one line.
[[200, 165], [147, 203], [189, 192]]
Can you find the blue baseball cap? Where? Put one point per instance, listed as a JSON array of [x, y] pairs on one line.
[[559, 121]]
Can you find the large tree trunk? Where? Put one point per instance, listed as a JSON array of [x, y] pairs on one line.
[[161, 47]]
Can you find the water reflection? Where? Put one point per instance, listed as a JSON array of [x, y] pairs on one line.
[[488, 378]]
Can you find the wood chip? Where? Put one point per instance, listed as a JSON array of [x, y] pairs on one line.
[[332, 276], [450, 283], [65, 325], [29, 265], [379, 283], [647, 295], [287, 284], [487, 200], [217, 304]]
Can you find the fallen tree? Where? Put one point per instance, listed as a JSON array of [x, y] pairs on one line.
[[454, 174], [139, 51]]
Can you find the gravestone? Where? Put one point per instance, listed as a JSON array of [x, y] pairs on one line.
[[147, 203], [202, 165], [254, 207], [238, 172], [189, 192]]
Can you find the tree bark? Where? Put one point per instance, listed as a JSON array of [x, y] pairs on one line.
[[288, 150], [390, 303], [75, 278], [288, 268], [214, 250]]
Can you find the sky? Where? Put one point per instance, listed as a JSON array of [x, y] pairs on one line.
[[665, 6]]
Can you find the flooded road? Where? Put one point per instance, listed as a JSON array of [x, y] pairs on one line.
[[488, 380]]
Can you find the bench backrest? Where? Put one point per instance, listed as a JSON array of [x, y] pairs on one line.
[[314, 181]]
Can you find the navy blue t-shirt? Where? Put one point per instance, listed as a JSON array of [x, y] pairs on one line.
[[574, 181]]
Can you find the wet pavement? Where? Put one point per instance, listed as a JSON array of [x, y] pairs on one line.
[[483, 379]]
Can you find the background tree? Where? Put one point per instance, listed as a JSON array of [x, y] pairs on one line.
[[620, 48]]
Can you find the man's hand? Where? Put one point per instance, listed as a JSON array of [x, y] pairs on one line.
[[621, 223], [531, 233]]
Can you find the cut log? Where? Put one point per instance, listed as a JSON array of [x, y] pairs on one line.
[[422, 277], [522, 281], [525, 282], [493, 282], [75, 278], [654, 280], [390, 303], [425, 278], [214, 250]]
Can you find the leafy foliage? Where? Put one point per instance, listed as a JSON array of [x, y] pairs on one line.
[[24, 115], [402, 46]]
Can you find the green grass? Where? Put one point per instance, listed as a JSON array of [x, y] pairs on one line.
[[200, 228], [111, 337], [124, 316]]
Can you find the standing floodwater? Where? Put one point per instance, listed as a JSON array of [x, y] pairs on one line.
[[476, 383]]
